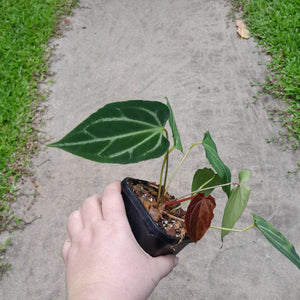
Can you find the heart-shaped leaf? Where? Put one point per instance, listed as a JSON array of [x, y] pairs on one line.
[[198, 216], [235, 206], [120, 132], [175, 132], [214, 159], [277, 239], [204, 178]]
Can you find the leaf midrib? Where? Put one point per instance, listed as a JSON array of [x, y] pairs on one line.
[[110, 138], [125, 119]]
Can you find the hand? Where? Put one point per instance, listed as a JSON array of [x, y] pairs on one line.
[[102, 258]]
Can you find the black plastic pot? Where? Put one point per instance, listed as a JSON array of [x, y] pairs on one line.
[[146, 231]]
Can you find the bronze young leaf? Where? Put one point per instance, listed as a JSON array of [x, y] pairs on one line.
[[199, 215]]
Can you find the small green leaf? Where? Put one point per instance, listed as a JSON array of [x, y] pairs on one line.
[[120, 132], [244, 176], [277, 239], [204, 178], [175, 132], [235, 206], [214, 159]]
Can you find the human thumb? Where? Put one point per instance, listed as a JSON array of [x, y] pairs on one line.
[[163, 265]]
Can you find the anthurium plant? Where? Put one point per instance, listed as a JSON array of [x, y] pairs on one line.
[[133, 131]]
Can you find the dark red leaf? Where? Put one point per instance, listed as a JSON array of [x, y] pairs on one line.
[[199, 215]]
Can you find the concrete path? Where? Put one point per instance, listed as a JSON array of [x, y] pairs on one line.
[[188, 51]]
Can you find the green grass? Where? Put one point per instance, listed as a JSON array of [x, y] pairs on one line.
[[4, 267], [276, 25], [25, 28]]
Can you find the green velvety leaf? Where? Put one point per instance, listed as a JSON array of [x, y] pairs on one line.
[[204, 178], [214, 159], [277, 240], [175, 132], [244, 176], [235, 206], [120, 132]]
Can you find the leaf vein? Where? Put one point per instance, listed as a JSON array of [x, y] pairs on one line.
[[109, 138], [130, 149]]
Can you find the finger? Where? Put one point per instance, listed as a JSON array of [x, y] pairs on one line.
[[65, 249], [112, 203], [91, 211], [163, 265], [74, 225]]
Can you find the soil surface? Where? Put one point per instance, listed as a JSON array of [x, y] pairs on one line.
[[188, 51], [170, 220]]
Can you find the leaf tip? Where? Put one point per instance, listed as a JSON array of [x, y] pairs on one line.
[[244, 176], [221, 245]]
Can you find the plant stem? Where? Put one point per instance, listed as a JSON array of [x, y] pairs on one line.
[[165, 163], [173, 217], [166, 172], [179, 201], [234, 230], [183, 198], [208, 188], [179, 165], [161, 178]]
